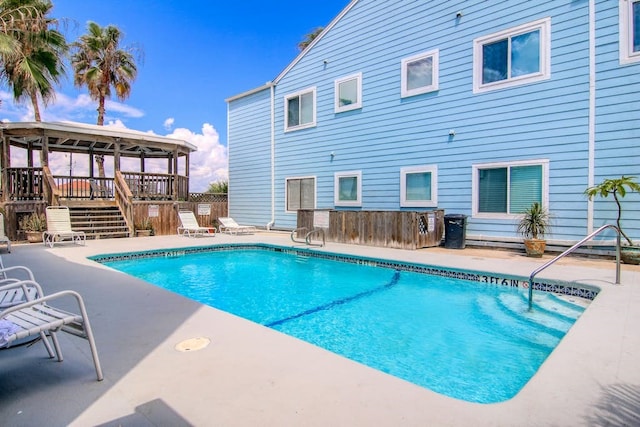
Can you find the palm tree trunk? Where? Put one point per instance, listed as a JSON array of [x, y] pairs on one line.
[[36, 107], [100, 163], [101, 111]]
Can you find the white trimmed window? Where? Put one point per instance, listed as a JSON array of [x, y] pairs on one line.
[[629, 31], [512, 57], [347, 189], [419, 186], [300, 109], [419, 74], [505, 190], [300, 193], [348, 93]]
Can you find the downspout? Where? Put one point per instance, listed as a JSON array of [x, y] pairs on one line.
[[273, 161], [592, 110]]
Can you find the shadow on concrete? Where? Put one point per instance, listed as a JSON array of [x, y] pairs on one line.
[[153, 413], [129, 318], [619, 405]]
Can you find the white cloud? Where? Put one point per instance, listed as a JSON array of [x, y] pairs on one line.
[[168, 124], [208, 164]]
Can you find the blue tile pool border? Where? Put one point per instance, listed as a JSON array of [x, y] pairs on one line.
[[554, 286]]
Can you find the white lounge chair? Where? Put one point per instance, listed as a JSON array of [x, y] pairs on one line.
[[3, 237], [228, 225], [59, 227], [189, 226], [37, 317], [14, 296]]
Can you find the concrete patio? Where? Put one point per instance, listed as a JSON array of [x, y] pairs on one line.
[[250, 375]]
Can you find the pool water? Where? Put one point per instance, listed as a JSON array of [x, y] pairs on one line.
[[468, 340]]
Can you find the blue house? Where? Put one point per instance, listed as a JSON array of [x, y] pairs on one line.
[[478, 108]]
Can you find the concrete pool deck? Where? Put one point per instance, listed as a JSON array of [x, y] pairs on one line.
[[250, 375]]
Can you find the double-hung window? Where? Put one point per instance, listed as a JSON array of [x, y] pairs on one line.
[[419, 74], [348, 93], [503, 190], [347, 189], [300, 193], [629, 12], [419, 186], [512, 57], [300, 109]]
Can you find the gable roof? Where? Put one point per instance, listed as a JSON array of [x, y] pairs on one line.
[[297, 58], [315, 41]]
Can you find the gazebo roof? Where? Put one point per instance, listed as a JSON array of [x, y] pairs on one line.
[[85, 138]]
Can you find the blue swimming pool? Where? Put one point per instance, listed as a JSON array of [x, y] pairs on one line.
[[469, 339]]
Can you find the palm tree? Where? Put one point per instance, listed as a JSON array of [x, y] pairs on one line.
[[32, 51], [308, 38], [100, 64]]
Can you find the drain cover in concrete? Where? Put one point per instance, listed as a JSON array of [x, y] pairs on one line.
[[193, 344]]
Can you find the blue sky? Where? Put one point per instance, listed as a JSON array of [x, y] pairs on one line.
[[196, 54]]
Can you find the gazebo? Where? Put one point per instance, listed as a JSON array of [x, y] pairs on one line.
[[33, 188]]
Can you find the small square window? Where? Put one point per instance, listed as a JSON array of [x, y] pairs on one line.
[[419, 74], [512, 57], [348, 189], [629, 11], [418, 186], [300, 109], [348, 93]]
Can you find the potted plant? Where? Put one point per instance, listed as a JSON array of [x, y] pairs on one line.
[[618, 188], [33, 226], [144, 227], [533, 225]]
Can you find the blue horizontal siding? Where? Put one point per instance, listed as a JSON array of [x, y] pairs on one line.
[[544, 120]]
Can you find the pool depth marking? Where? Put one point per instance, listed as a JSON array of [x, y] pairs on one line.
[[393, 282]]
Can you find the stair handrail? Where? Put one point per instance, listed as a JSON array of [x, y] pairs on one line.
[[573, 248], [307, 238], [124, 200], [295, 233]]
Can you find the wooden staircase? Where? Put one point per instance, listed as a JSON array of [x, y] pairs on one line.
[[98, 219]]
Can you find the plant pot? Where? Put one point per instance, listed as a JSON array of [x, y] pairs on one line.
[[143, 233], [34, 236], [630, 255], [535, 247]]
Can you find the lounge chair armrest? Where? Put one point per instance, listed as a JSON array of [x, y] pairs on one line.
[[44, 299], [18, 268], [24, 284]]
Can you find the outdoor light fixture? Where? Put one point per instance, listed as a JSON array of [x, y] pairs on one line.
[[452, 132], [459, 14]]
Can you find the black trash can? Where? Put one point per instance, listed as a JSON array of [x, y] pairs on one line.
[[455, 231]]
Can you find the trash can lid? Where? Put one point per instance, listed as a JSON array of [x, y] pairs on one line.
[[455, 216]]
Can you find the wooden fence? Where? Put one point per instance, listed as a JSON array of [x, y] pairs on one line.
[[390, 229], [164, 214]]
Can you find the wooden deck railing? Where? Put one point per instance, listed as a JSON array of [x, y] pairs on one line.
[[25, 184], [39, 184]]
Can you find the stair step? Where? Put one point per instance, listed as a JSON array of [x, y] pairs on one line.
[[100, 222]]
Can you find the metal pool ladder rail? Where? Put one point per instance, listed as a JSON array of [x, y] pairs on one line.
[[573, 248], [307, 237]]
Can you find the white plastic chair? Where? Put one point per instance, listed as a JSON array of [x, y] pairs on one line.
[[3, 237], [228, 225], [189, 225], [36, 316], [59, 227]]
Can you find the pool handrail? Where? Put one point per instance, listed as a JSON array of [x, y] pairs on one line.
[[307, 237], [573, 248]]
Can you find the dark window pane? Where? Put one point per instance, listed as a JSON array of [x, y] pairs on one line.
[[494, 61], [493, 190]]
